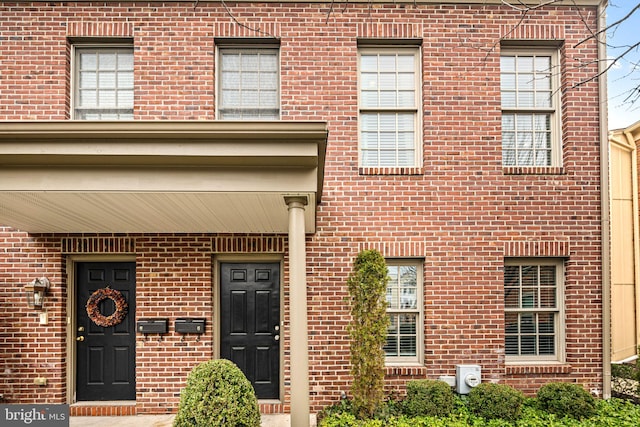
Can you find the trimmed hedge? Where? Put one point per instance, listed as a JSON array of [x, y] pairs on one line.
[[565, 399], [496, 401], [428, 398], [217, 394]]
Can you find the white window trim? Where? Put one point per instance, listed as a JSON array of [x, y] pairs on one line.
[[418, 359], [75, 78], [245, 46], [556, 100], [560, 355], [417, 52]]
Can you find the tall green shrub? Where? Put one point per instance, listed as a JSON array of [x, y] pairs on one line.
[[368, 331], [217, 394]]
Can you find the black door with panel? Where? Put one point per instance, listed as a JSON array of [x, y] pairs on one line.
[[250, 323], [105, 355]]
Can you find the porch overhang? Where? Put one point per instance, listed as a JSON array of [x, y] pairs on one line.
[[158, 176]]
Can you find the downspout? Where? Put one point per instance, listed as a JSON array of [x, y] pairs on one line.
[[631, 142], [604, 203]]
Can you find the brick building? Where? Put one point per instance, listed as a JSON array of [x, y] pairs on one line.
[[196, 160]]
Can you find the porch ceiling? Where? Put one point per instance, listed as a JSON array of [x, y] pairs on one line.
[[140, 176]]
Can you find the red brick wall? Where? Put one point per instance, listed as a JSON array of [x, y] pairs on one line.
[[458, 213]]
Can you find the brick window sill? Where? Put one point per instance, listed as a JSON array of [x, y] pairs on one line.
[[391, 171], [560, 368], [528, 170], [405, 371]]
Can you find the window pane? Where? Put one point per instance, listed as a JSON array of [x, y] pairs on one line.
[[88, 98], [88, 80], [524, 63], [408, 346], [402, 296], [105, 84], [125, 99], [249, 84], [88, 61], [386, 63], [368, 81], [125, 61], [369, 99], [369, 63], [407, 324], [508, 82], [526, 83], [407, 81], [107, 80], [508, 64], [125, 80], [388, 81], [106, 61], [406, 63], [106, 98], [528, 291]]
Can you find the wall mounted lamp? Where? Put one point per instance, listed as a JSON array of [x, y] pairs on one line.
[[36, 292]]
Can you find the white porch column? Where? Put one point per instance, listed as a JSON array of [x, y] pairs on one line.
[[298, 313]]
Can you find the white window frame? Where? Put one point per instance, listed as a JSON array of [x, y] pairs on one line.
[[76, 48], [555, 111], [416, 109], [558, 311], [230, 46], [418, 359]]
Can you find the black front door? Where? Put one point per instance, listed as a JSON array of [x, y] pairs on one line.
[[105, 354], [250, 323]]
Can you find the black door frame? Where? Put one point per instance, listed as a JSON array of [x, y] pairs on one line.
[[249, 258], [72, 327]]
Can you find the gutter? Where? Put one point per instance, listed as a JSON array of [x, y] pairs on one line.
[[605, 205]]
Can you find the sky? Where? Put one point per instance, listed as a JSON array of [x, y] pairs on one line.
[[624, 76]]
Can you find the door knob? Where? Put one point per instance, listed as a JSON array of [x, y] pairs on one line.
[[81, 329], [80, 338], [276, 337]]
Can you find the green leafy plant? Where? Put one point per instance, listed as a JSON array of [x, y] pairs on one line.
[[611, 412], [217, 394], [496, 401], [566, 399], [428, 398], [368, 331]]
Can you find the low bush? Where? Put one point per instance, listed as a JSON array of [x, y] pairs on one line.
[[565, 399], [612, 412], [217, 394], [496, 401], [428, 398]]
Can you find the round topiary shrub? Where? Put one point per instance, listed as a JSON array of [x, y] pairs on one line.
[[565, 399], [428, 398], [217, 394], [496, 401]]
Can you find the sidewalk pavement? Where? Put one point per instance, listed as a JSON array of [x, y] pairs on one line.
[[277, 420]]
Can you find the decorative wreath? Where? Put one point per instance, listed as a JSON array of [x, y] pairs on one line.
[[93, 307]]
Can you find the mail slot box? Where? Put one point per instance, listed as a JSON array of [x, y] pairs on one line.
[[190, 326], [152, 326]]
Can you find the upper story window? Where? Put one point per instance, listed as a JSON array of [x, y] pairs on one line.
[[248, 84], [533, 300], [389, 107], [529, 84], [404, 299], [103, 83]]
